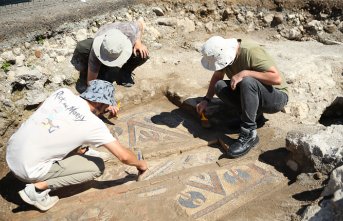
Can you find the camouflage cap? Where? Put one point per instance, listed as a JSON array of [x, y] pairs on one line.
[[100, 91]]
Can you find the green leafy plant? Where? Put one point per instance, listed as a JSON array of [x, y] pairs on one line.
[[40, 39], [6, 66]]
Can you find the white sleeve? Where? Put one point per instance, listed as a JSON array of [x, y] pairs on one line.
[[100, 135]]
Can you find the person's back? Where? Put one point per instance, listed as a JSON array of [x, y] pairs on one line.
[[60, 124]]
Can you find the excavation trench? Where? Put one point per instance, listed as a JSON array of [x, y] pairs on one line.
[[189, 177]]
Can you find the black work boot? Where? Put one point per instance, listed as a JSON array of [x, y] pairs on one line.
[[247, 139], [127, 79]]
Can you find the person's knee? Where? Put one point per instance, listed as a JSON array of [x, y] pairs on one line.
[[99, 168], [248, 82], [219, 86]]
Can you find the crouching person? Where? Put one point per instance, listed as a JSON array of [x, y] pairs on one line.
[[39, 152]]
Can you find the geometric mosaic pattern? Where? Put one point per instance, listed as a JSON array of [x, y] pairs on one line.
[[136, 129], [208, 192]]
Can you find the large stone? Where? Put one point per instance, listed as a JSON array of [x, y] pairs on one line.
[[167, 21], [335, 182], [292, 34], [321, 151], [8, 56], [29, 78], [268, 18], [314, 27]]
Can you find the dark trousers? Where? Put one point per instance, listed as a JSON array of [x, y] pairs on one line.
[[250, 98], [83, 49]]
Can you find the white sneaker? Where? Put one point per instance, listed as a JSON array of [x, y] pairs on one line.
[[40, 200], [103, 155]]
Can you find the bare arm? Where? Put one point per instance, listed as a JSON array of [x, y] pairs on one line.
[[269, 77], [139, 46], [126, 156], [217, 75], [93, 67]]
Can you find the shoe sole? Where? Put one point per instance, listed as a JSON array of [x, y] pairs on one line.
[[26, 199], [239, 155]]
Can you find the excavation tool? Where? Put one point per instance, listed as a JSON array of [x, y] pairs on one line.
[[140, 173], [204, 121]]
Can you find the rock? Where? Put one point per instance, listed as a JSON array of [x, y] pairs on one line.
[[186, 25], [19, 60], [299, 110], [60, 59], [268, 19], [58, 79], [209, 27], [156, 45], [335, 182], [292, 34], [52, 54], [158, 11], [10, 76], [69, 42], [81, 34], [152, 32], [94, 29], [327, 210], [30, 78], [277, 20], [240, 18], [38, 53], [8, 56], [227, 13], [27, 45], [292, 165], [321, 151], [167, 21], [330, 28], [314, 27], [33, 98], [16, 51], [249, 15]]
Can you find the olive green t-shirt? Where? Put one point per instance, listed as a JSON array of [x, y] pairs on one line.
[[252, 56]]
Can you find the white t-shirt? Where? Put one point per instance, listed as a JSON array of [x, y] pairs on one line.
[[62, 123]]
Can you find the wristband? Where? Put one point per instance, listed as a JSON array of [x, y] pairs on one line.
[[206, 99]]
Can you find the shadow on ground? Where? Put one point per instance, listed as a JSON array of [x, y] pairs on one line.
[[10, 186], [278, 159]]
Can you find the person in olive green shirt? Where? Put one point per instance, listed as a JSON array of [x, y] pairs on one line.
[[255, 85]]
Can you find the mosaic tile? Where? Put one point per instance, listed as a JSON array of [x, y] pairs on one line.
[[207, 193]]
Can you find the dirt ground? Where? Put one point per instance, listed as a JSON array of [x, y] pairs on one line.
[[287, 202]]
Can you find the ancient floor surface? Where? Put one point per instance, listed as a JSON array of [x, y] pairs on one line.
[[188, 177]]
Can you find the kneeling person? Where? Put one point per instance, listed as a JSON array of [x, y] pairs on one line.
[[39, 152]]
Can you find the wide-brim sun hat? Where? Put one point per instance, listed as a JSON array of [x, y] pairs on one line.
[[112, 48], [100, 91], [218, 53]]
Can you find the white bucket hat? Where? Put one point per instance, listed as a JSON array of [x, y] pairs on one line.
[[218, 53], [112, 48]]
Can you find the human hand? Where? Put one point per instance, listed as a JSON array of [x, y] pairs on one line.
[[201, 107], [142, 49], [236, 79], [82, 150], [143, 166], [113, 111]]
